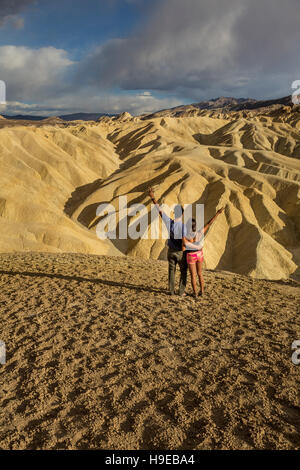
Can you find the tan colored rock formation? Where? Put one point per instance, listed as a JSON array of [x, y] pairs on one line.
[[53, 179]]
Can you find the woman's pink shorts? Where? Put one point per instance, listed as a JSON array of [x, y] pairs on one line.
[[195, 256]]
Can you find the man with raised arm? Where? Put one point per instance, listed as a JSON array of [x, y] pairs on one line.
[[176, 255]]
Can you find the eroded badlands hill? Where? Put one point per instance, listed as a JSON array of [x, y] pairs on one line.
[[53, 177]]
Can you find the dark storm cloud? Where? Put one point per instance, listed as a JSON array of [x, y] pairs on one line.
[[200, 46], [10, 8]]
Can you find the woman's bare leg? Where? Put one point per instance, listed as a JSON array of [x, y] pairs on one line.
[[200, 276], [193, 271]]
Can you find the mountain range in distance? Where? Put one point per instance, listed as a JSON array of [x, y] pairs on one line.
[[64, 117], [225, 103]]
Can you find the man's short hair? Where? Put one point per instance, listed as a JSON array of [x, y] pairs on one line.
[[178, 211]]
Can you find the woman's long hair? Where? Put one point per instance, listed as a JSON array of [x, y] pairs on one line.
[[191, 226]]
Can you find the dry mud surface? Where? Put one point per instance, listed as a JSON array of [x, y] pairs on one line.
[[100, 356]]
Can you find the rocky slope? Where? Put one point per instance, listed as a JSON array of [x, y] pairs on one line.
[[54, 176]]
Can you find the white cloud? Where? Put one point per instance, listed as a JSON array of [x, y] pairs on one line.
[[32, 74], [39, 81], [103, 103]]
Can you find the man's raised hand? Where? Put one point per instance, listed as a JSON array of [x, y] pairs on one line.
[[151, 193]]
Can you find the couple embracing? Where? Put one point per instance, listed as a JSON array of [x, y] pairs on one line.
[[185, 248]]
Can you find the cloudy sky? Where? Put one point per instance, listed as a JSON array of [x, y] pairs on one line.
[[63, 56]]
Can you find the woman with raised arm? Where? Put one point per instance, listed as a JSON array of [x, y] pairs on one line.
[[193, 245]]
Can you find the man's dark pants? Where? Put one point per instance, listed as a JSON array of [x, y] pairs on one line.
[[177, 257]]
